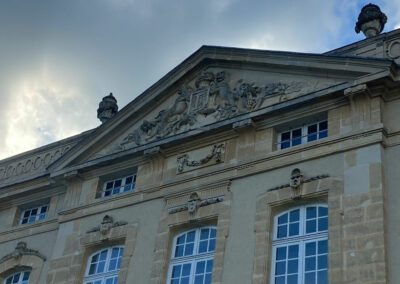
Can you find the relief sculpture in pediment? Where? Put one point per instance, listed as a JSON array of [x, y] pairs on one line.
[[211, 96]]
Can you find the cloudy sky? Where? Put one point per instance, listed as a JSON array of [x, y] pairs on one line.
[[59, 58]]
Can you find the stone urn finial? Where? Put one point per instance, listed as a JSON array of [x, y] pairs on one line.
[[371, 20], [107, 108]]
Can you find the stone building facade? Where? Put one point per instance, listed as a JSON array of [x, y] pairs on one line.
[[238, 166]]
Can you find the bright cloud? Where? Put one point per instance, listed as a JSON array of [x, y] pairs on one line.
[[42, 110]]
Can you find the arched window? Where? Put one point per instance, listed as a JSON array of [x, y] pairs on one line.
[[300, 246], [21, 277], [103, 266], [192, 257]]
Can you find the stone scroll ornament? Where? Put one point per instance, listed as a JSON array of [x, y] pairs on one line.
[[216, 153], [211, 95]]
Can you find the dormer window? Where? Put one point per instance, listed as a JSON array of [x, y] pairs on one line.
[[119, 185], [300, 135], [34, 214]]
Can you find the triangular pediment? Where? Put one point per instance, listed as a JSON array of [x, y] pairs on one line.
[[217, 85]]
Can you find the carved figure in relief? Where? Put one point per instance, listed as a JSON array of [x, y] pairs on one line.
[[296, 180], [193, 202], [248, 94], [211, 94]]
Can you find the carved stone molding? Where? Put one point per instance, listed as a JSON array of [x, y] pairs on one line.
[[296, 183], [31, 165], [106, 225], [213, 97], [194, 202], [20, 250], [217, 152]]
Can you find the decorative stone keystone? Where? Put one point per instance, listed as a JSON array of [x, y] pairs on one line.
[[107, 108], [371, 21], [296, 182]]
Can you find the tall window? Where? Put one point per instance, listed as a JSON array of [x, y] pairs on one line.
[[119, 185], [21, 277], [304, 134], [34, 214], [300, 246], [103, 266], [192, 257]]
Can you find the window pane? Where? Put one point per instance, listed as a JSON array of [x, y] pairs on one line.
[[199, 279], [280, 280], [176, 271], [213, 233], [294, 229], [281, 253], [292, 279], [203, 246], [323, 261], [323, 125], [212, 245], [185, 280], [322, 277], [189, 249], [296, 137], [322, 224], [310, 278], [311, 212], [295, 215], [190, 237], [204, 234], [312, 129], [181, 239], [322, 211], [209, 265], [179, 251], [200, 266], [282, 231], [128, 180], [293, 251], [285, 145], [322, 247], [323, 134], [207, 279], [280, 268], [310, 263], [310, 249], [311, 137], [285, 136], [26, 275], [283, 219], [118, 183], [311, 226], [186, 269], [292, 266]]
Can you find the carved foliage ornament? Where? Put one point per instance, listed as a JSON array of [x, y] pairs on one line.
[[194, 202], [210, 95], [106, 225], [217, 151], [20, 250]]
